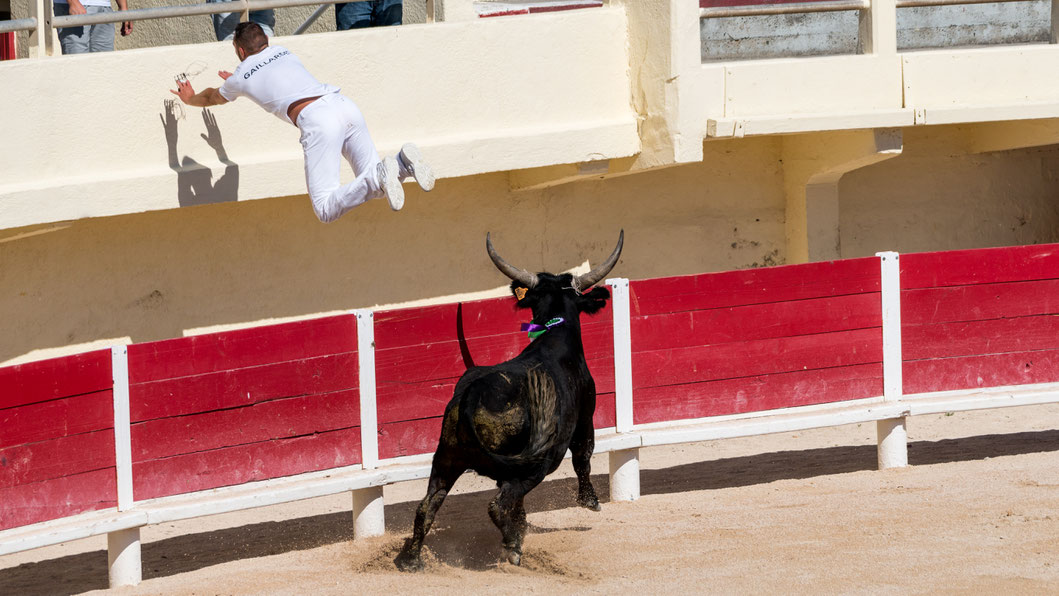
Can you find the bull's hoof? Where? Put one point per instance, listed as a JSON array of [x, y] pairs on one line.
[[514, 557], [589, 502], [408, 562]]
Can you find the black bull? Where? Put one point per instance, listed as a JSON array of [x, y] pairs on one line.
[[514, 421]]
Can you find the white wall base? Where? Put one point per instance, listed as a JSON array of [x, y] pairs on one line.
[[369, 513], [123, 557], [893, 443], [625, 475]]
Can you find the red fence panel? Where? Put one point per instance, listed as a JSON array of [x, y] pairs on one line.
[[419, 359], [56, 439], [233, 407], [980, 318], [760, 339]]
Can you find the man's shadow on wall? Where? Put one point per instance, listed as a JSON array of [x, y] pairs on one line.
[[195, 185]]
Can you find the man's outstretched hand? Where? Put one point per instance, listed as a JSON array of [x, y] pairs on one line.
[[224, 74], [183, 90]]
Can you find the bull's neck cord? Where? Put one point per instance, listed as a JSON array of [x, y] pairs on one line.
[[536, 330]]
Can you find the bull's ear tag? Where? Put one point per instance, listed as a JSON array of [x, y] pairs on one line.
[[520, 293]]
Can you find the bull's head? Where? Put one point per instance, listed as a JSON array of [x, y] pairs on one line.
[[547, 294]]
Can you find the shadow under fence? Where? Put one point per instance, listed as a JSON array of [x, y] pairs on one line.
[[477, 545]]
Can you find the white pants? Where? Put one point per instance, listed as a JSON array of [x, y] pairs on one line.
[[333, 126]]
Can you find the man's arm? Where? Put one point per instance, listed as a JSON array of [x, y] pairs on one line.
[[203, 99]]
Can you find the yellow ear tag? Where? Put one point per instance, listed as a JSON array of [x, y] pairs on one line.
[[520, 293]]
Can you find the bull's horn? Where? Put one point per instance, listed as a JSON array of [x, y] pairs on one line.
[[583, 282], [520, 275]]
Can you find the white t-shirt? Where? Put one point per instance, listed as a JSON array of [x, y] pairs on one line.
[[273, 78]]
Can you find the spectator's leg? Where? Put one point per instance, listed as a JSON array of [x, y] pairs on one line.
[[267, 20], [101, 36], [388, 12], [74, 40], [224, 23], [353, 15]]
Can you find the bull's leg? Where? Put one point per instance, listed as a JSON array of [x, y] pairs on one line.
[[509, 514], [581, 447], [441, 480]]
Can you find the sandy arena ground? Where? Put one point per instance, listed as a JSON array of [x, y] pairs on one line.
[[977, 512]]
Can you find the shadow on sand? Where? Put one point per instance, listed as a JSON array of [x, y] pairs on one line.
[[479, 544]]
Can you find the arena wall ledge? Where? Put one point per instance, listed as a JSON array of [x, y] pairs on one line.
[[107, 442], [609, 90]]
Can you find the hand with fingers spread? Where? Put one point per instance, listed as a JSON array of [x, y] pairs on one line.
[[224, 74], [213, 136], [184, 90]]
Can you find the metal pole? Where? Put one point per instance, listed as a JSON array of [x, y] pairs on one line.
[[18, 25], [312, 19], [143, 14]]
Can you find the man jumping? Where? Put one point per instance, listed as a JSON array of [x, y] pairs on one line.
[[330, 123]]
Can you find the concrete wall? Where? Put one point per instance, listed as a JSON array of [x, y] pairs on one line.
[[170, 273], [175, 272]]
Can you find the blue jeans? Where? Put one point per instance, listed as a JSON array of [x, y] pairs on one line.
[[367, 13], [87, 38], [224, 22]]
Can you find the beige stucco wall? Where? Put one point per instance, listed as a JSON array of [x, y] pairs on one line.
[[935, 196], [182, 271], [170, 273]]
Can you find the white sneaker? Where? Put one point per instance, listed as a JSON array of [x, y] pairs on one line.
[[413, 162], [389, 179]]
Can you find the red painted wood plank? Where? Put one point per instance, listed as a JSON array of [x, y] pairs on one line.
[[242, 387], [45, 380], [755, 286], [754, 322], [409, 437], [604, 416], [442, 361], [979, 302], [56, 418], [980, 266], [993, 370], [67, 456], [228, 350], [1023, 334], [414, 437], [439, 323], [754, 358], [42, 501], [245, 463], [756, 394], [278, 419], [426, 399]]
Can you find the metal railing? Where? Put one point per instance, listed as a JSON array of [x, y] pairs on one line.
[[43, 26], [18, 25]]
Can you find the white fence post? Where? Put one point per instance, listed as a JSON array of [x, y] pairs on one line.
[[369, 516], [624, 464], [892, 435], [123, 546]]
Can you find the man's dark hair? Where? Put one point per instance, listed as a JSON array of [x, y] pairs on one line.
[[250, 38]]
